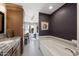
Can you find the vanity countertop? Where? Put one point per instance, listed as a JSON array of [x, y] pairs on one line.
[[7, 44]]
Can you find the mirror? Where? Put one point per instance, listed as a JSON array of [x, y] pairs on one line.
[[1, 22]]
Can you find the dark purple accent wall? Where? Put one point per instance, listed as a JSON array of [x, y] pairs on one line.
[[63, 22], [46, 18]]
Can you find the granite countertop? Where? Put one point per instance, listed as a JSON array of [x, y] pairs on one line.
[[6, 39]]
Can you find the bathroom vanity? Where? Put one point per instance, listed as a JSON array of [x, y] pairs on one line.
[[10, 46], [11, 30]]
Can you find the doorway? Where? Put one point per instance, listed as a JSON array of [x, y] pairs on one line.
[[30, 32]]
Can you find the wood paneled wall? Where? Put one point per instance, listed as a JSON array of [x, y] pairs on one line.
[[14, 19]]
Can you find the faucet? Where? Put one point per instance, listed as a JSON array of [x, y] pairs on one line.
[[71, 51]]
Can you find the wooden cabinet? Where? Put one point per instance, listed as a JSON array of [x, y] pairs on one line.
[[14, 15]]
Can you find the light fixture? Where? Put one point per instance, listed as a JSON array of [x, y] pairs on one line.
[[50, 7]]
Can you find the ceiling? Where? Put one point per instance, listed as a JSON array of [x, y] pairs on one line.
[[32, 6], [45, 9], [42, 7]]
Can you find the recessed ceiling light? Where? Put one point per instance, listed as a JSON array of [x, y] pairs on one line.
[[50, 7]]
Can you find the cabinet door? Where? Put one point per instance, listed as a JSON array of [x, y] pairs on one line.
[[18, 50]]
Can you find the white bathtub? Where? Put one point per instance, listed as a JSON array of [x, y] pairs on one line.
[[53, 46]]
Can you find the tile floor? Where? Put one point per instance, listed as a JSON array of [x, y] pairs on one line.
[[32, 48]]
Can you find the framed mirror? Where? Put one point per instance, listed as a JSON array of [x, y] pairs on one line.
[[1, 22]]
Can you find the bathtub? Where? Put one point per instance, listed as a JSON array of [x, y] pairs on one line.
[[54, 46]]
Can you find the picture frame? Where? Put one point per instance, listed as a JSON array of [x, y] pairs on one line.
[[44, 25]]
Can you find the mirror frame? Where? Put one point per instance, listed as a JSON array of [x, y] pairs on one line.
[[2, 31]]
